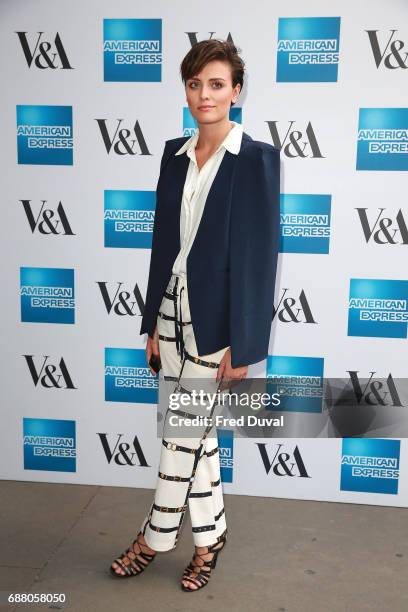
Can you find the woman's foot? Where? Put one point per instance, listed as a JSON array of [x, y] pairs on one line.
[[134, 560], [197, 573]]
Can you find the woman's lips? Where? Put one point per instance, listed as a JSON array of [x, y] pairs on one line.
[[205, 108]]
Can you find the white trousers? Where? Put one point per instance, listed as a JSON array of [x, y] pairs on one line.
[[189, 469]]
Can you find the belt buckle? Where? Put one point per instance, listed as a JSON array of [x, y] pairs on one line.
[[171, 446]]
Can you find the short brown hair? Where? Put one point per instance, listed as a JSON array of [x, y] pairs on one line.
[[211, 49]]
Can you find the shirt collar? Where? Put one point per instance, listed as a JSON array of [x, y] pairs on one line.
[[232, 141]]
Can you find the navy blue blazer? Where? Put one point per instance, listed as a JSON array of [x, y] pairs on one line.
[[231, 267]]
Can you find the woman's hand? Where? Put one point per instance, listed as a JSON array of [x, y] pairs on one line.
[[226, 371], [152, 346]]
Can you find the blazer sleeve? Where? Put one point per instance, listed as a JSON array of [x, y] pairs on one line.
[[166, 153], [146, 325], [254, 247]]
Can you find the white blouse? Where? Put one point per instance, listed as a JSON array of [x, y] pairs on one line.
[[196, 188]]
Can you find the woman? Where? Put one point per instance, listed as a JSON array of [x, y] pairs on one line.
[[209, 299]]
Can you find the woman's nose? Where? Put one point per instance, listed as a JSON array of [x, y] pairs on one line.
[[204, 92]]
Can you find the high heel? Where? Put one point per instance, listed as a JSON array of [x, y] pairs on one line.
[[132, 565], [203, 571]]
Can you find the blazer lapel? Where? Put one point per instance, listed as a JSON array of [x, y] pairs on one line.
[[216, 202], [170, 188], [217, 199]]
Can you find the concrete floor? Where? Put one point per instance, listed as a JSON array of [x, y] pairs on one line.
[[283, 555]]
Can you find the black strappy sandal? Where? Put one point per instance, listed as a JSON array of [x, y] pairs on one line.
[[203, 571], [132, 565]]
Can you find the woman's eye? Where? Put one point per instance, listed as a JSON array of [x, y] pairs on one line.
[[217, 84]]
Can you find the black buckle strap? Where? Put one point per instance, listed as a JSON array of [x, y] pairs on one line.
[[212, 452], [215, 483], [170, 296], [203, 528], [162, 529], [170, 318], [174, 478], [167, 509], [203, 494], [207, 364], [167, 338], [176, 447]]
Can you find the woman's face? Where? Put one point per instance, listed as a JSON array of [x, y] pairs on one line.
[[210, 93]]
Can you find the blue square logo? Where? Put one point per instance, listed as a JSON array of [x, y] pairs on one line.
[[378, 308], [298, 380], [129, 218], [47, 295], [132, 50], [226, 446], [370, 465], [305, 223], [308, 49], [128, 377], [382, 142], [49, 444], [45, 135]]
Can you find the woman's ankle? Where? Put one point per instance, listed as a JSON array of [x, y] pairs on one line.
[[142, 542]]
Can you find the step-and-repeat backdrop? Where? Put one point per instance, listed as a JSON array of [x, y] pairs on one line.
[[90, 93]]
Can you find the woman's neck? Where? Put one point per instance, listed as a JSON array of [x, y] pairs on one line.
[[211, 135]]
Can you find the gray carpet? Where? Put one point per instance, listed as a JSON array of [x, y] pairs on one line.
[[282, 555]]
